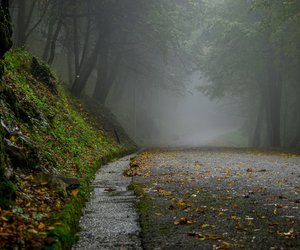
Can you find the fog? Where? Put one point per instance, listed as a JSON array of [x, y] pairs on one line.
[[176, 73], [167, 118]]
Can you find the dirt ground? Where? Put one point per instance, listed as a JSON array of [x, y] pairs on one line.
[[218, 199]]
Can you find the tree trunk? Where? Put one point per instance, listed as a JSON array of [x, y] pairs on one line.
[[7, 189], [53, 42], [86, 70], [102, 73], [275, 107], [295, 143], [256, 137], [86, 43], [69, 63], [105, 79], [273, 93], [5, 28], [76, 45], [21, 23], [48, 40]]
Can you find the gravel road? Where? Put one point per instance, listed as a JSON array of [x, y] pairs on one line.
[[218, 199]]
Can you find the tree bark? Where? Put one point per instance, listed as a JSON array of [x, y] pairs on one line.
[[5, 28], [76, 45], [275, 107], [48, 40], [256, 137], [86, 70], [105, 79], [21, 23], [53, 42]]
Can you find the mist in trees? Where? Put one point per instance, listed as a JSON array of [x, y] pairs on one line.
[[195, 72]]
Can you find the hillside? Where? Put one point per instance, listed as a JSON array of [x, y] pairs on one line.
[[50, 151]]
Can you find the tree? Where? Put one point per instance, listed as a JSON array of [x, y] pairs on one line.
[[245, 51]]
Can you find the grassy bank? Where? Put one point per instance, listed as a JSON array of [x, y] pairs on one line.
[[43, 139]]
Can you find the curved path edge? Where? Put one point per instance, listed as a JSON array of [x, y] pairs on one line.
[[110, 219]]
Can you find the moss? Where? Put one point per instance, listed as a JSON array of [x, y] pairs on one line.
[[7, 192], [63, 236], [7, 188], [147, 210]]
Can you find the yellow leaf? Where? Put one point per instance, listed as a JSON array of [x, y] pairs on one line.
[[163, 192], [75, 192], [208, 237], [206, 225], [41, 226], [223, 246], [4, 218], [33, 231], [58, 224]]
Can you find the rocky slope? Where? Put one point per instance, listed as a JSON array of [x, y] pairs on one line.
[[50, 150]]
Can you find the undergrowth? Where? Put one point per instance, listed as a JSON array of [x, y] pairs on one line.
[[63, 141]]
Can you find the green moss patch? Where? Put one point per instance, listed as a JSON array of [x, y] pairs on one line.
[[43, 131]]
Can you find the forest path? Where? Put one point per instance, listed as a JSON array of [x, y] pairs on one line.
[[218, 199], [110, 220]]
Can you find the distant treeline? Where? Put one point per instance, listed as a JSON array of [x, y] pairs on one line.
[[250, 50]]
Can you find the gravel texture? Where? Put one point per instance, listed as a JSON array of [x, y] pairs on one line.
[[219, 199], [110, 220]]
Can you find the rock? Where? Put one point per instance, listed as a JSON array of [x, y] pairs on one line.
[[18, 147], [72, 183], [63, 185]]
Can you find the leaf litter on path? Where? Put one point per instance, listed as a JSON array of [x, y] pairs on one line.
[[219, 197]]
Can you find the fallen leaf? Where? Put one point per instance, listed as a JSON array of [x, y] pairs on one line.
[[75, 192], [208, 237], [183, 221], [163, 192], [223, 246], [206, 225]]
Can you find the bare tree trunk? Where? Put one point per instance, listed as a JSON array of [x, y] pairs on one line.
[[106, 79], [69, 63], [48, 40], [76, 45], [86, 43], [38, 22], [275, 107], [86, 70], [256, 137], [53, 42], [5, 28], [21, 23], [102, 69]]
